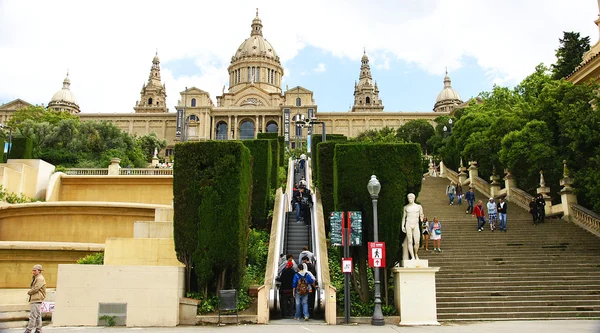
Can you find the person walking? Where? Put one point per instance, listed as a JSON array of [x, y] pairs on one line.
[[478, 212], [541, 208], [306, 253], [450, 192], [502, 214], [492, 214], [533, 211], [470, 196], [436, 234], [301, 283], [37, 294], [459, 193], [425, 231]]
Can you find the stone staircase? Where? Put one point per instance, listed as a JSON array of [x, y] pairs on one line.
[[548, 271]]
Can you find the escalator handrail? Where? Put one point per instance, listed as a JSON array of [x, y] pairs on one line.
[[314, 234], [281, 226]]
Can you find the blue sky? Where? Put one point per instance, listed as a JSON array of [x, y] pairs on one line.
[[108, 53]]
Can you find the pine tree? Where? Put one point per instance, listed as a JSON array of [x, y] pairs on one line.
[[569, 54]]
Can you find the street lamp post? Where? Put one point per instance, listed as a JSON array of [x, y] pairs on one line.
[[374, 187], [448, 130]]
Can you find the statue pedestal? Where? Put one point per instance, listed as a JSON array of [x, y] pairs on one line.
[[415, 294], [420, 263]]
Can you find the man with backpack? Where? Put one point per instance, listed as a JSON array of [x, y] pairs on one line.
[[301, 283]]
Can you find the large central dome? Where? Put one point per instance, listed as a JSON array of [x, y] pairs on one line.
[[256, 45]]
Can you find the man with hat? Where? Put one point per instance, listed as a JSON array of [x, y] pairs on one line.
[[37, 294], [492, 213]]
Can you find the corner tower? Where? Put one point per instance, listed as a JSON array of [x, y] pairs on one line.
[[256, 63], [64, 99], [154, 94], [366, 92]]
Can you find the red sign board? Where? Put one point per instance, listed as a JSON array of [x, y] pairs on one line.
[[376, 254]]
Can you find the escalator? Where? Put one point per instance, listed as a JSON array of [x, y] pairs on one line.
[[293, 235]]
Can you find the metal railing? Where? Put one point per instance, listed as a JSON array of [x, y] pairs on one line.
[[86, 172], [586, 219]]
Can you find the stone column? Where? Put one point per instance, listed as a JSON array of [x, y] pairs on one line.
[[545, 192], [567, 195], [495, 183], [509, 182], [473, 171], [442, 168], [113, 168], [462, 176]]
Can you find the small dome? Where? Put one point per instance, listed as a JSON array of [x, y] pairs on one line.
[[65, 94], [448, 94]]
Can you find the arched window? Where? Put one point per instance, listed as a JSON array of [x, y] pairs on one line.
[[247, 130], [222, 131], [150, 101], [193, 102], [368, 100], [298, 102], [193, 117], [272, 127]]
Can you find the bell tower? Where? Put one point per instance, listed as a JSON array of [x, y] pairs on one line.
[[366, 92], [154, 93]]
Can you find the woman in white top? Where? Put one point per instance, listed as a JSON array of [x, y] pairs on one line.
[[425, 231]]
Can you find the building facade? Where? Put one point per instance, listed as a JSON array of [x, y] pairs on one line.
[[254, 102]]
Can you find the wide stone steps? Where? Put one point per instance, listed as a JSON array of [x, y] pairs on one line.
[[548, 271]]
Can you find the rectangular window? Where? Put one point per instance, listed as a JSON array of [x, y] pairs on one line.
[[238, 76], [248, 74], [257, 74]]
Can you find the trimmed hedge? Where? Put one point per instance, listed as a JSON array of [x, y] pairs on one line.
[[282, 148], [2, 144], [398, 169], [212, 193], [261, 179], [268, 136], [325, 151], [274, 163], [22, 148], [315, 140]]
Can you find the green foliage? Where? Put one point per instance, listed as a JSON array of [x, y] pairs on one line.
[[2, 144], [315, 140], [92, 259], [22, 148], [39, 114], [261, 179], [274, 163], [569, 54], [13, 198], [148, 143], [326, 151], [417, 131], [212, 195], [398, 169], [385, 134], [110, 320]]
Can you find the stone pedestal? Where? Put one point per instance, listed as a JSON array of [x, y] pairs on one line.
[[113, 168], [415, 294], [154, 161]]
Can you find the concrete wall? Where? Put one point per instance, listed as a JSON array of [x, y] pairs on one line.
[[17, 259], [11, 179], [139, 189], [152, 229], [152, 294], [85, 222], [141, 252]]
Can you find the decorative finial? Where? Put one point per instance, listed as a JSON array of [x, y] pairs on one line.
[[364, 50], [256, 12], [542, 181], [446, 70], [461, 163], [156, 51], [565, 170]]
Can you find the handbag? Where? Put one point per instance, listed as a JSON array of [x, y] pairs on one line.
[[438, 231]]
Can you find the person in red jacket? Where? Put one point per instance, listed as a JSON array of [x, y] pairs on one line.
[[480, 214]]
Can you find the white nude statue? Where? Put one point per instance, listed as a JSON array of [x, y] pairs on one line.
[[413, 213]]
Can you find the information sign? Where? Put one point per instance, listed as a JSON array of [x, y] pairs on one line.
[[376, 254]]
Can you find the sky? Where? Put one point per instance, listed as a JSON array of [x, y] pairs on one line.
[[107, 46]]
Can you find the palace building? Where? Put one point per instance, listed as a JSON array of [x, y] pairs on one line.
[[254, 102]]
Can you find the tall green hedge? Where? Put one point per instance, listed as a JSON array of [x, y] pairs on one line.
[[2, 144], [269, 136], [274, 163], [211, 190], [282, 148], [315, 140], [398, 169], [325, 151], [22, 148], [261, 179]]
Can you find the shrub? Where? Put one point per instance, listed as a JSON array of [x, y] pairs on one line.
[[261, 179], [92, 259], [315, 140], [212, 195], [21, 148]]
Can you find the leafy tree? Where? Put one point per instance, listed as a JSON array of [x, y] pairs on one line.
[[385, 134], [569, 54], [148, 143], [417, 131]]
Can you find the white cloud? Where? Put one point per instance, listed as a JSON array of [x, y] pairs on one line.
[[320, 68], [108, 45]]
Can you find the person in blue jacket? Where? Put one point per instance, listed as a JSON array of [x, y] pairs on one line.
[[300, 293]]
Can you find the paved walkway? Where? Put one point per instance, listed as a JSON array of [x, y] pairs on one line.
[[545, 326]]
